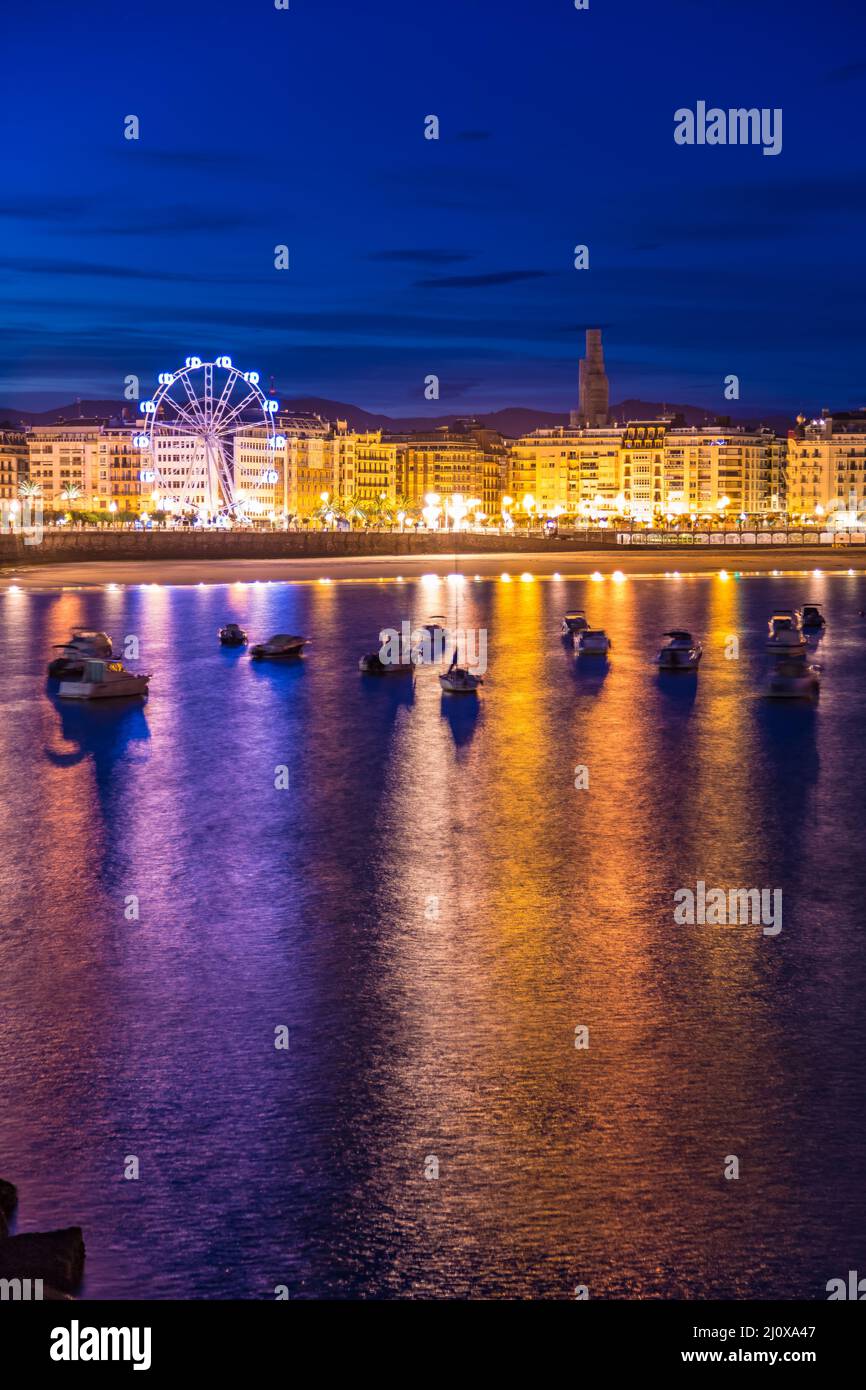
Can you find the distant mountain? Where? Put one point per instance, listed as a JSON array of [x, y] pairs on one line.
[[512, 421]]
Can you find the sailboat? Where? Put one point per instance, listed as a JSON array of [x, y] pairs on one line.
[[459, 680]]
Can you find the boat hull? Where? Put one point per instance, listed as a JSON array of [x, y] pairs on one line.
[[676, 661], [262, 654], [132, 686], [374, 666], [459, 687]]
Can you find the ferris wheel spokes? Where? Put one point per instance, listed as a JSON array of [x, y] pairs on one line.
[[226, 421], [225, 397]]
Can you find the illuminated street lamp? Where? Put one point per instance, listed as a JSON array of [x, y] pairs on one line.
[[456, 508], [431, 511]]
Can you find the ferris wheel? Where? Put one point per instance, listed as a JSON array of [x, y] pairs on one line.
[[189, 432]]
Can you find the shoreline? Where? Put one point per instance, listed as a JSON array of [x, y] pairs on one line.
[[371, 569]]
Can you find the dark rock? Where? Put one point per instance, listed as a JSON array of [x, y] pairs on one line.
[[57, 1257], [8, 1198]]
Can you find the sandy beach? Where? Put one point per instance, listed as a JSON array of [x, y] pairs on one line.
[[373, 569]]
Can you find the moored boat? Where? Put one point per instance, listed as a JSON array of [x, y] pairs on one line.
[[593, 641], [793, 678], [280, 645], [459, 680], [82, 645], [813, 618], [681, 652], [373, 665], [232, 635], [104, 680], [575, 621], [785, 630]]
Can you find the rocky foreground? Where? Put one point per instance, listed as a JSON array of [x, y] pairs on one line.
[[54, 1257]]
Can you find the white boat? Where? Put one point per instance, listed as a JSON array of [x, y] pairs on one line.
[[681, 653], [459, 680], [281, 644], [575, 621], [785, 630], [82, 645], [232, 635], [593, 641], [794, 679], [104, 680], [813, 618]]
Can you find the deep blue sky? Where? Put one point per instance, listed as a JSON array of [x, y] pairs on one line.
[[305, 127]]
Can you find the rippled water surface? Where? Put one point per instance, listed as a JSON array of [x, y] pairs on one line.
[[432, 908]]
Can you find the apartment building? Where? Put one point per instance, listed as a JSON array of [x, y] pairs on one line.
[[826, 466], [64, 462], [14, 462], [375, 470]]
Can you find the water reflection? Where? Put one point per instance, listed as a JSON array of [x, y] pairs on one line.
[[432, 905], [103, 732], [461, 713]]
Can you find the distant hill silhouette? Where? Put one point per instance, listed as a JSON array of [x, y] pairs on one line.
[[512, 420]]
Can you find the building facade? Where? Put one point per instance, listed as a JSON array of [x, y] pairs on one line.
[[826, 467], [14, 462]]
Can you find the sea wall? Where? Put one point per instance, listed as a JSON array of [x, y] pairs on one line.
[[80, 547], [71, 547]]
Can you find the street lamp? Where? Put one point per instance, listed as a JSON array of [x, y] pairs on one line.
[[457, 509], [431, 511]]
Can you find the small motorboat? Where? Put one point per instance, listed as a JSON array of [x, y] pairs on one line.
[[794, 679], [434, 624], [232, 635], [104, 680], [432, 641], [459, 680], [373, 665], [281, 644], [681, 652], [785, 630], [593, 641], [813, 618], [81, 646], [575, 621]]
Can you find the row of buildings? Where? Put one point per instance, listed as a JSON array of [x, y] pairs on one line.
[[645, 469], [589, 470]]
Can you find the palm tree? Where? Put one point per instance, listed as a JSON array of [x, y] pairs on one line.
[[381, 510], [402, 504], [353, 509], [29, 488], [70, 492], [328, 511]]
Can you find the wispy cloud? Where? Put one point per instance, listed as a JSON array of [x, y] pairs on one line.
[[87, 270], [468, 282], [850, 72], [421, 257]]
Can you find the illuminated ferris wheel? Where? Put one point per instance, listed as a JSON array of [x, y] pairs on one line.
[[188, 439]]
